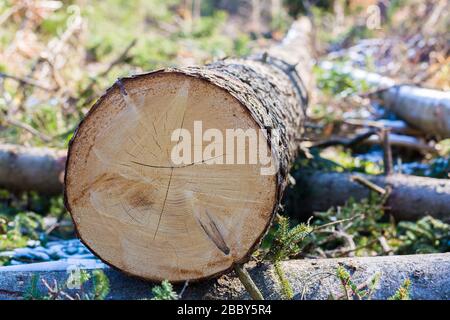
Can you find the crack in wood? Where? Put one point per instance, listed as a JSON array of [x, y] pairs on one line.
[[164, 205], [173, 167], [184, 94], [213, 233]]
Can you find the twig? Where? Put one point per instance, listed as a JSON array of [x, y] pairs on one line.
[[123, 56], [384, 244], [115, 62], [361, 286], [369, 184], [387, 151], [336, 222], [405, 128], [342, 253], [348, 143], [344, 284], [248, 283], [28, 128], [67, 295], [186, 283], [9, 12], [309, 279], [26, 81], [53, 292]]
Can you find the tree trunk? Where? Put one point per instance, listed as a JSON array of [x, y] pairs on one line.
[[425, 109], [310, 279], [411, 197], [31, 169], [158, 218]]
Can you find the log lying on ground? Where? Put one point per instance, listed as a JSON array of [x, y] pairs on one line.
[[426, 109], [411, 197], [371, 137], [31, 169], [310, 279], [149, 216], [25, 169]]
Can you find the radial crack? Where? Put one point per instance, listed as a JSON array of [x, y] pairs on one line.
[[213, 233]]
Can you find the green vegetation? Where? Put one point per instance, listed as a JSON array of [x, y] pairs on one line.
[[363, 229], [164, 292], [80, 285], [284, 241], [427, 235], [25, 226], [403, 293], [281, 243], [338, 84], [22, 220], [352, 229], [360, 228], [353, 291], [336, 160]]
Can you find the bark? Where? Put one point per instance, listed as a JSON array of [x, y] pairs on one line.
[[24, 169], [119, 174], [310, 279], [425, 109], [411, 197]]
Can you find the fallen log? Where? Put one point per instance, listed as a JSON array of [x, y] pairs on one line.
[[425, 109], [24, 169], [371, 137], [145, 212], [411, 197], [310, 279]]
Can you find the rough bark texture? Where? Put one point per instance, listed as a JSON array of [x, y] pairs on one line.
[[425, 109], [118, 202], [270, 95], [25, 169], [411, 198], [310, 279]]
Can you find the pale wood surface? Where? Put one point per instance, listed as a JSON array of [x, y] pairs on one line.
[[147, 217]]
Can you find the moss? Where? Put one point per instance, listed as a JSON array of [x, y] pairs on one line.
[[286, 287]]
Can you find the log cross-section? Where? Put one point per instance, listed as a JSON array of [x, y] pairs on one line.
[[148, 216]]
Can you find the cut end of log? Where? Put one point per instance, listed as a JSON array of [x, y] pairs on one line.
[[148, 216]]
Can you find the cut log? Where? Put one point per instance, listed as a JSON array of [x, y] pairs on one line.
[[411, 197], [24, 169], [310, 279], [425, 109], [148, 215]]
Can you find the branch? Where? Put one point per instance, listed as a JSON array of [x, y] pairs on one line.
[[248, 283]]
